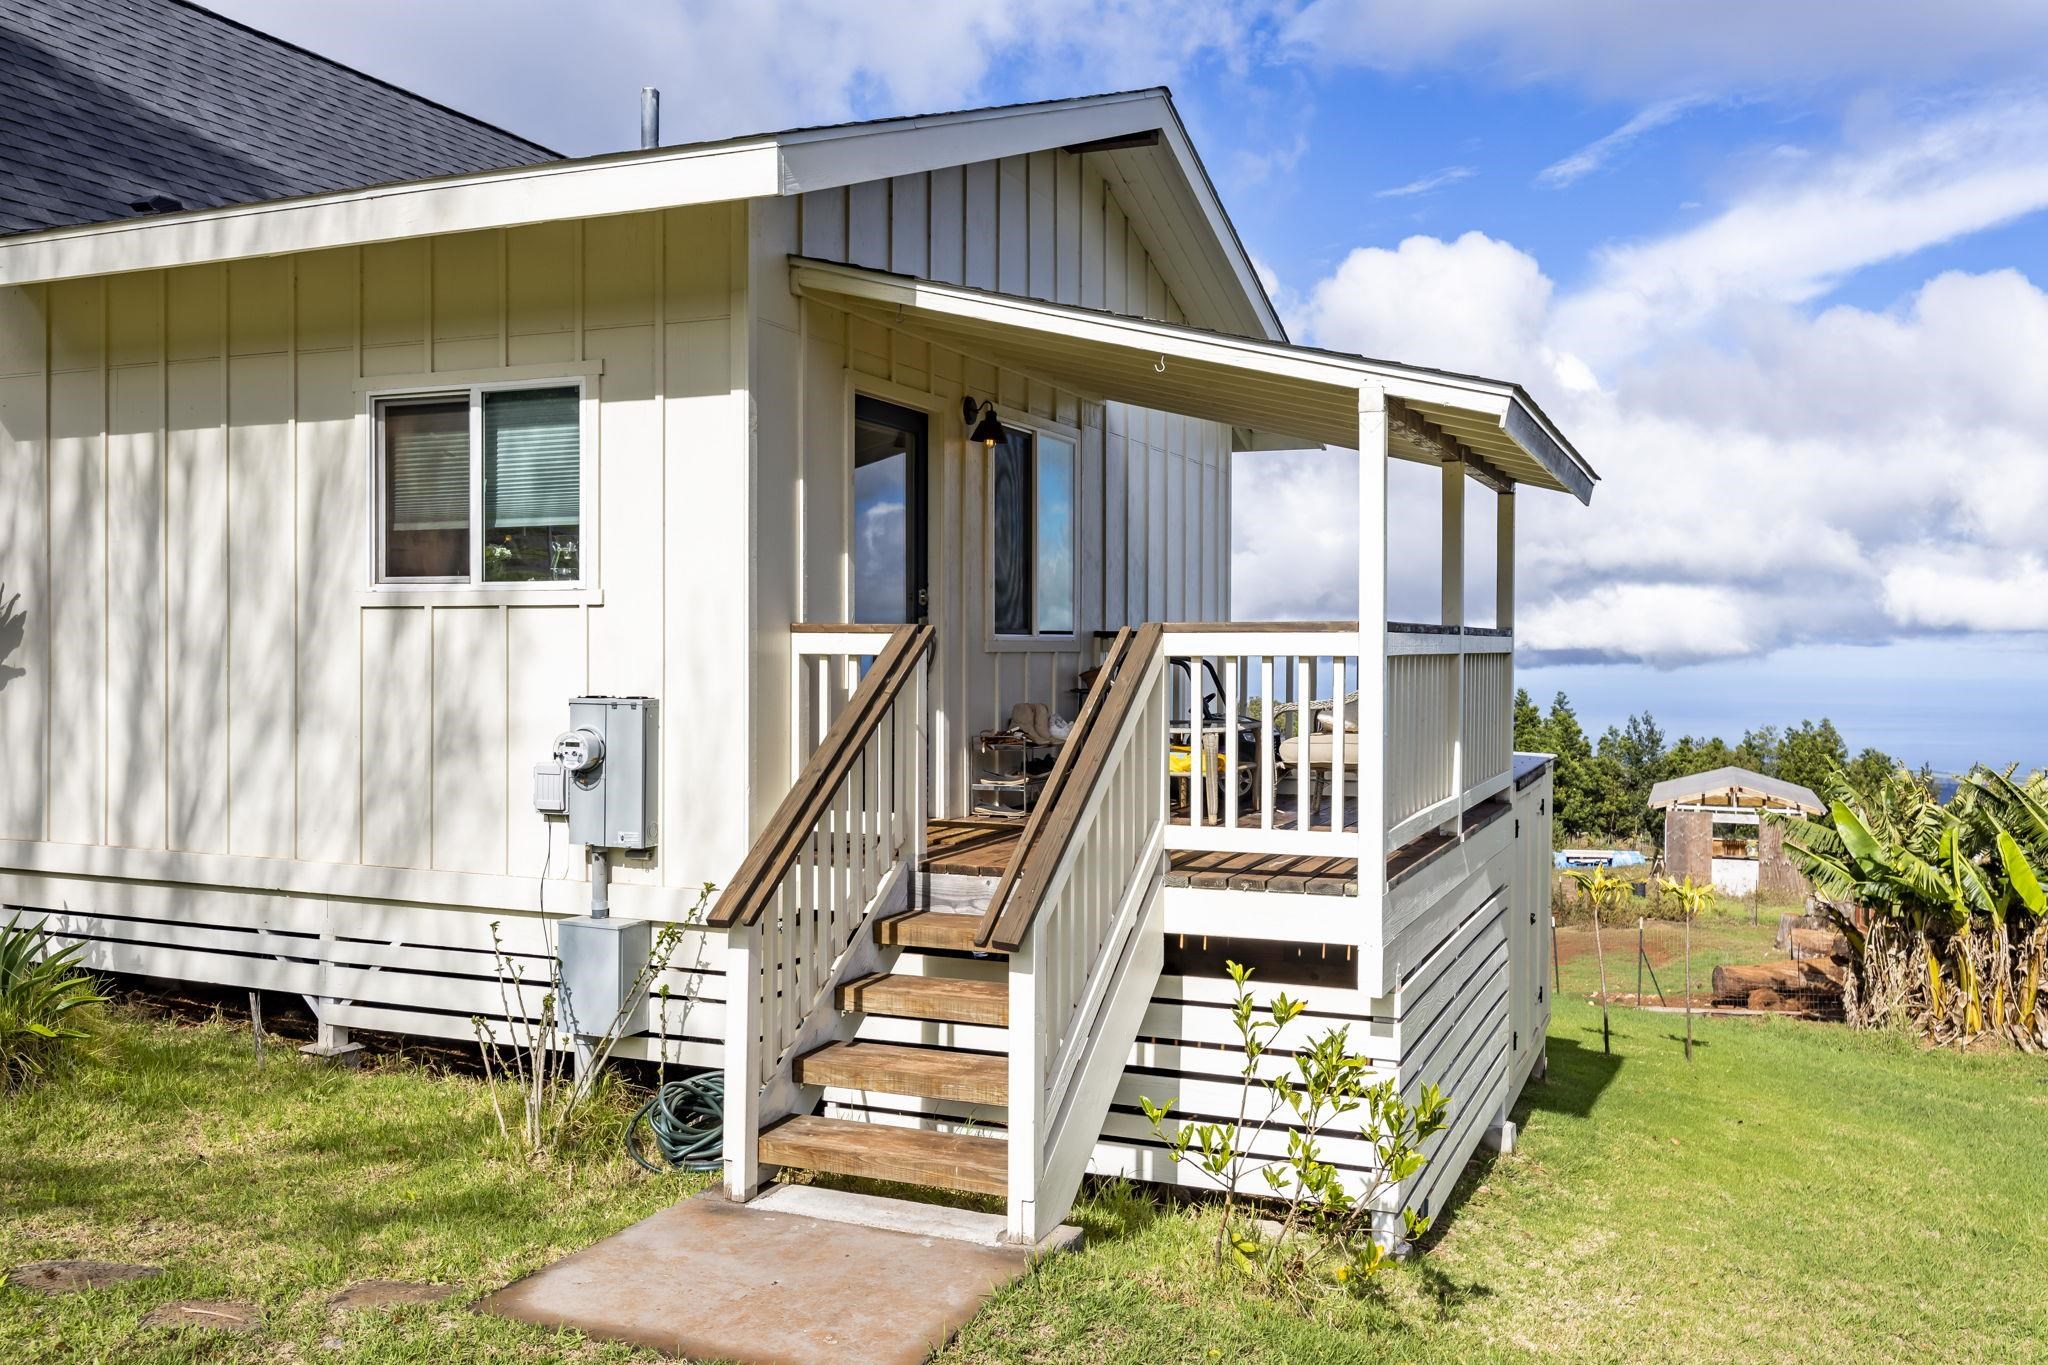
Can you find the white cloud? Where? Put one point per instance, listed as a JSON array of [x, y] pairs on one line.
[[572, 79], [1596, 154], [1435, 180], [1474, 304], [1968, 588], [1790, 240], [1630, 49], [1772, 476], [1668, 623]]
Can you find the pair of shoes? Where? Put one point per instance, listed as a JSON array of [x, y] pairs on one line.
[[1036, 721]]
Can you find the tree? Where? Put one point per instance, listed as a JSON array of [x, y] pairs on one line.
[[1631, 760], [1690, 755], [1758, 751], [1809, 754], [1869, 770], [1529, 733], [1574, 801]]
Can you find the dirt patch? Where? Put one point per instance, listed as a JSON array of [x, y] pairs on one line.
[[75, 1277], [389, 1294]]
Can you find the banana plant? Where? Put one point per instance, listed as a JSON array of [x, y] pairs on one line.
[[1693, 897], [2025, 884], [1603, 891]]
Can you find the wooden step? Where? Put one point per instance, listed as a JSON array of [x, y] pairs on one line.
[[929, 997], [946, 1161], [929, 929], [930, 1073]]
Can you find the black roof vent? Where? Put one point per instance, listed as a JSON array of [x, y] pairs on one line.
[[156, 203]]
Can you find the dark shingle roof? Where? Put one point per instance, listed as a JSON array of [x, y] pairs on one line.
[[108, 103]]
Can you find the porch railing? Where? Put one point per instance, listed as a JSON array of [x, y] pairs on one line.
[[843, 846], [1079, 913], [1450, 724], [1283, 778], [827, 663], [1276, 767]]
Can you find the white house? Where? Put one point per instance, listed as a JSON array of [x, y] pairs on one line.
[[319, 509]]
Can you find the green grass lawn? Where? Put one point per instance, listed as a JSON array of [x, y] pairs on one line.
[[1798, 1193]]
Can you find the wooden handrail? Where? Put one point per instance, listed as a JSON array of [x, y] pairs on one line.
[[770, 858], [1076, 771]]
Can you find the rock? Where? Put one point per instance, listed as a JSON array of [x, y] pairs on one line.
[[389, 1294], [219, 1315], [73, 1277], [1764, 998]]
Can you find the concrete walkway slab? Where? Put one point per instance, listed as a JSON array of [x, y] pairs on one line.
[[713, 1279]]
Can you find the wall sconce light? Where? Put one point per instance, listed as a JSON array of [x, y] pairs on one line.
[[987, 427]]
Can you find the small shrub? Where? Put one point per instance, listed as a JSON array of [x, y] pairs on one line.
[[1325, 1234], [556, 1106], [45, 1002]]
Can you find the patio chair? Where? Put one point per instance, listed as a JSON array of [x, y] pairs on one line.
[[1316, 718]]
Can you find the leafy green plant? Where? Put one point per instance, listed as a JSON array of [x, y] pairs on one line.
[[1326, 1232], [533, 1061], [45, 1001], [1941, 902], [1692, 897], [1604, 892]]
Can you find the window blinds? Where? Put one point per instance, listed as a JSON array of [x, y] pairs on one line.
[[532, 457], [427, 479]]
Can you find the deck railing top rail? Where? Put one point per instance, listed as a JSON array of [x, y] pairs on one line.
[[1077, 768], [782, 841]]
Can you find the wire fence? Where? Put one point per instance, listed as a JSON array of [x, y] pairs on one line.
[[1780, 963]]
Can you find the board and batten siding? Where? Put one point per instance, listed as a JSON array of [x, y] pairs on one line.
[[195, 686], [1153, 487]]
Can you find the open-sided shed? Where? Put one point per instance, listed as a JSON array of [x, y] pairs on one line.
[[1714, 828]]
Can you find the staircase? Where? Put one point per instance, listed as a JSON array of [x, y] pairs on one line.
[[967, 1162], [866, 973]]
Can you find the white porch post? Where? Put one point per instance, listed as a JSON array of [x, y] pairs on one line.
[[1454, 543], [1372, 679], [1504, 562], [742, 1146], [1454, 615]]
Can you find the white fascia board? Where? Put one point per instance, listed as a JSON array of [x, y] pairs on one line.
[[1528, 428], [827, 158], [1235, 258], [1498, 401], [1056, 320], [590, 188], [1144, 334]]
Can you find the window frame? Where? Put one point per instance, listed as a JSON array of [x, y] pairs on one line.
[[584, 586], [1037, 638]]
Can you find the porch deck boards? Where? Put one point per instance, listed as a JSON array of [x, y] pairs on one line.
[[983, 848]]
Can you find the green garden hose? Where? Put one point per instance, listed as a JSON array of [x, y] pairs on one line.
[[687, 1118]]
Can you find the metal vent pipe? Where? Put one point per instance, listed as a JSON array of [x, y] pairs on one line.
[[650, 117]]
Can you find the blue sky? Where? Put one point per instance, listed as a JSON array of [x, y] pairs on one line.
[[1775, 267]]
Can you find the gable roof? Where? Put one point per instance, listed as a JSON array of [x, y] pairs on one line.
[[1732, 787], [1136, 136], [114, 103]]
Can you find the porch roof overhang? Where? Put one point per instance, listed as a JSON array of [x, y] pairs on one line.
[[1290, 395]]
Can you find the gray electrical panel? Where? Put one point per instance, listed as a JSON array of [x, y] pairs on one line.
[[609, 753], [601, 960]]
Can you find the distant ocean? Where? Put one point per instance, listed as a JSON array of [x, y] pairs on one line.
[[1948, 703]]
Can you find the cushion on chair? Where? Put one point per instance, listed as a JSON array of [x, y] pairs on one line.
[[1319, 746]]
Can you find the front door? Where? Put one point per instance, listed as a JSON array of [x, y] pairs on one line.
[[889, 518]]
